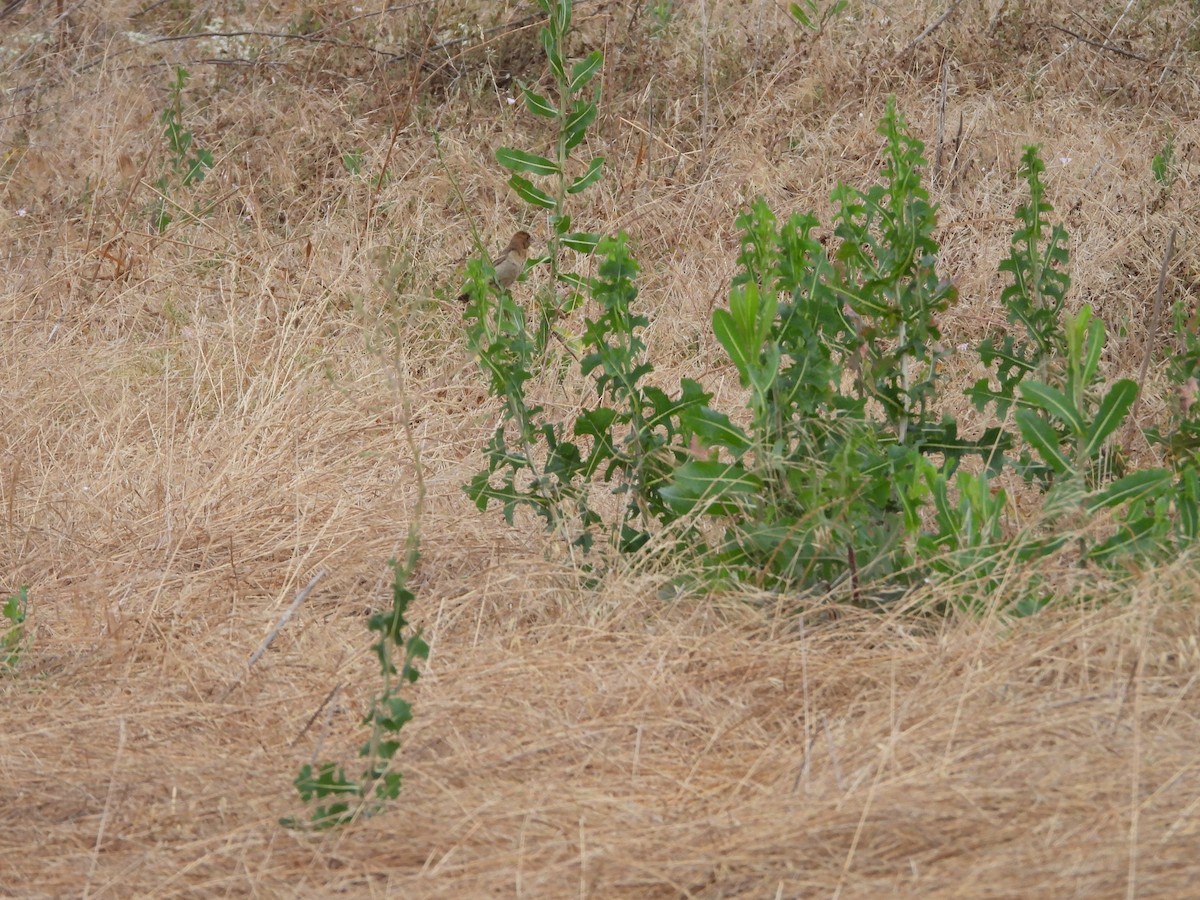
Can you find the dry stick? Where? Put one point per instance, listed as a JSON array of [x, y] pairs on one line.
[[650, 131], [941, 125], [108, 804], [1099, 44], [502, 30], [1162, 76], [401, 121], [931, 29], [703, 83], [119, 220], [1155, 316], [273, 35], [1120, 19], [309, 724], [283, 620], [958, 136]]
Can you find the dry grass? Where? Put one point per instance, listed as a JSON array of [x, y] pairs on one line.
[[192, 427]]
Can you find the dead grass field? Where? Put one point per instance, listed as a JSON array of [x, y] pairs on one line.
[[192, 426]]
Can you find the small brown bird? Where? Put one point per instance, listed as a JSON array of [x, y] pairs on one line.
[[509, 263]]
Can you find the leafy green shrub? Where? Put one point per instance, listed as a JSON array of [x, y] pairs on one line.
[[1037, 267], [846, 471], [634, 432]]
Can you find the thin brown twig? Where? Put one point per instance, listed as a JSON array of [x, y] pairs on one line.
[[106, 816], [941, 124], [283, 620], [1155, 318], [1100, 45], [273, 35], [401, 119], [501, 30], [933, 26], [309, 724]]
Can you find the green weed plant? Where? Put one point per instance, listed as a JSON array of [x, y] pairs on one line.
[[15, 638], [187, 163], [336, 798], [847, 473]]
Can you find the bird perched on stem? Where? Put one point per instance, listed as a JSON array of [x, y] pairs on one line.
[[509, 263]]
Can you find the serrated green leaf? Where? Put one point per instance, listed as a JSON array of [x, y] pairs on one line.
[[1110, 415], [588, 178], [530, 194], [715, 429], [523, 161], [595, 423]]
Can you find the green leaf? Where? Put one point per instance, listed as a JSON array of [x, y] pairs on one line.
[[1163, 165], [537, 104], [530, 194], [522, 161], [573, 280], [1186, 495], [745, 303], [1095, 346], [595, 423], [728, 335], [716, 430], [583, 71], [553, 57], [582, 241], [1109, 416], [1043, 547], [197, 168], [801, 16], [1128, 536], [588, 178], [560, 16], [1130, 488], [1055, 402], [713, 487], [576, 124], [1043, 438]]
